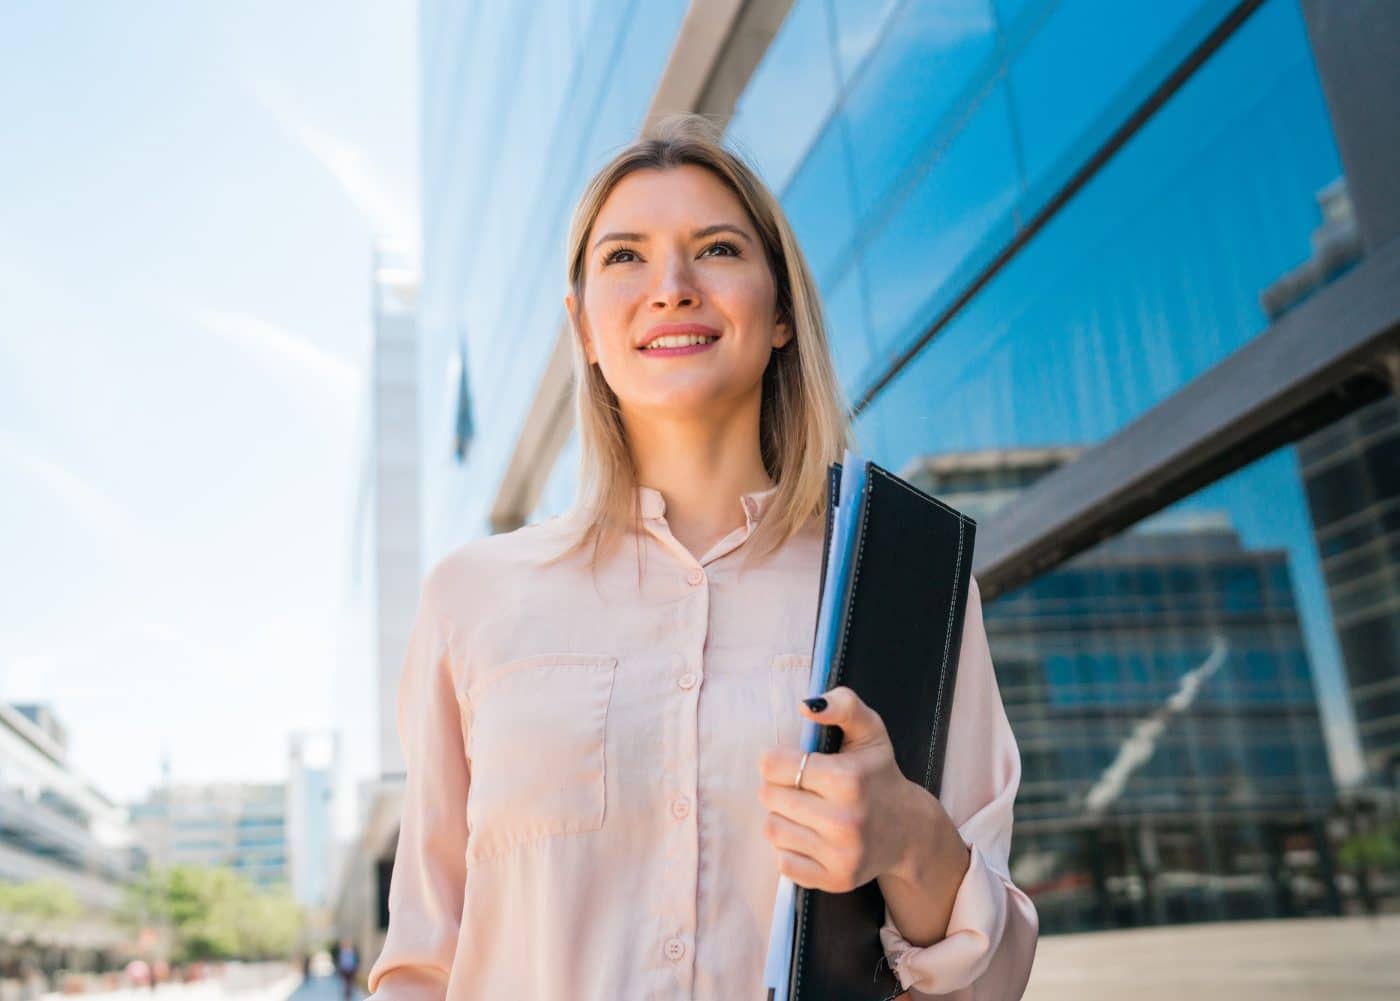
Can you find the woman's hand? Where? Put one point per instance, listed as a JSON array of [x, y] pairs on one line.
[[857, 818]]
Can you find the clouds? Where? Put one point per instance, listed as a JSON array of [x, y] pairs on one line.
[[275, 346], [378, 202], [84, 502]]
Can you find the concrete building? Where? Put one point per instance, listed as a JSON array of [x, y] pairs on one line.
[[241, 826], [312, 769], [383, 593], [1352, 470], [57, 827]]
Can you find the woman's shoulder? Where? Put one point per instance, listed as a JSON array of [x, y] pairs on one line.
[[488, 561]]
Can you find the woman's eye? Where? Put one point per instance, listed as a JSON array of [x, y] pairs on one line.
[[614, 256], [722, 243]]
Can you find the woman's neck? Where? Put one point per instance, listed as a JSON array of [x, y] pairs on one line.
[[701, 469]]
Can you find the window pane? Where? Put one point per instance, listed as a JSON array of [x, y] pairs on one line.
[[921, 73], [1149, 276], [790, 96]]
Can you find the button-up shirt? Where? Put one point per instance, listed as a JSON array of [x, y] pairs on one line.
[[581, 815]]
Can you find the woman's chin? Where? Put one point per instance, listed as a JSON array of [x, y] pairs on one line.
[[679, 401]]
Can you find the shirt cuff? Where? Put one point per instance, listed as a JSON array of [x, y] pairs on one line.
[[404, 984], [974, 930]]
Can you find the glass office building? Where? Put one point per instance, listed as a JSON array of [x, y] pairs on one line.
[[1119, 280]]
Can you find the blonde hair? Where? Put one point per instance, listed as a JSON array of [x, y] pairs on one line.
[[804, 421]]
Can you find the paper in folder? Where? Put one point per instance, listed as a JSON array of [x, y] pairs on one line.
[[894, 585]]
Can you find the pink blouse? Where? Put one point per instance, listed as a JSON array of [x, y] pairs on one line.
[[581, 816]]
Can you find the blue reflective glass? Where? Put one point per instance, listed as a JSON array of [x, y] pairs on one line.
[[789, 97], [1011, 12], [818, 205], [911, 97], [1148, 277], [951, 221], [858, 25], [1118, 53], [846, 327]]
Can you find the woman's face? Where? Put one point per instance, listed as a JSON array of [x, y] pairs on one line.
[[673, 253]]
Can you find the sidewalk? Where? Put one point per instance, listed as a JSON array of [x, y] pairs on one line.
[[321, 989], [1340, 959], [227, 989]]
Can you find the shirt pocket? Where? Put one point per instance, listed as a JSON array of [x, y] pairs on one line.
[[536, 739], [788, 677]]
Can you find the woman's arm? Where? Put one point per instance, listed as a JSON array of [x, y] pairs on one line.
[[425, 891], [941, 862], [990, 939]]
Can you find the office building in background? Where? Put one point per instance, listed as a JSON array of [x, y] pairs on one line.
[[312, 768], [56, 827], [237, 825], [386, 570]]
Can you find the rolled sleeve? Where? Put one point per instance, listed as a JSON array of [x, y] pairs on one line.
[[426, 887], [989, 945]]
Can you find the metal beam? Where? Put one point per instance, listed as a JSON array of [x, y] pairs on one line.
[[1356, 46]]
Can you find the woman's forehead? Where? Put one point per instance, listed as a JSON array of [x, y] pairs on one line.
[[685, 197]]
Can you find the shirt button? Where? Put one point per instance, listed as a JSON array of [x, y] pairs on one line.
[[675, 948], [695, 577], [686, 680], [680, 806]]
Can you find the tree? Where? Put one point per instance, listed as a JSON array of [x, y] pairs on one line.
[[213, 913]]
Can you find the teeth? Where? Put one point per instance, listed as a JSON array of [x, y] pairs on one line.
[[679, 341]]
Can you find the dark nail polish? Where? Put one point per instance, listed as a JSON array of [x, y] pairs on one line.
[[817, 704]]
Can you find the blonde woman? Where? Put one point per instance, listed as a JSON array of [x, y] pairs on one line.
[[600, 713]]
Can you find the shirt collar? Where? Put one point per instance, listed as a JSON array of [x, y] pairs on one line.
[[755, 503]]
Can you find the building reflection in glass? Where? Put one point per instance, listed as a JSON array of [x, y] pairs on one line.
[[1174, 766]]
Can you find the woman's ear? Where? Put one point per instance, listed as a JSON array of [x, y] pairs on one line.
[[576, 322], [782, 332]]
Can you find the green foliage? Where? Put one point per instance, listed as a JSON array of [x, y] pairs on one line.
[[213, 913], [42, 901], [1377, 850]]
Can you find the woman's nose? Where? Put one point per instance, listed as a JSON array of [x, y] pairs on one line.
[[676, 285]]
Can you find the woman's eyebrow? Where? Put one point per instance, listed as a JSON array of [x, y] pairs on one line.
[[722, 227]]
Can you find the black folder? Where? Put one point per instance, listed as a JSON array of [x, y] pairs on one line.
[[901, 621]]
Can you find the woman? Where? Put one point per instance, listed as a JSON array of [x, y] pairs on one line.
[[600, 713]]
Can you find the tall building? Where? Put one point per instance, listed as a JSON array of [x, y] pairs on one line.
[[386, 576], [1352, 470], [312, 768], [241, 826], [1031, 223], [392, 521], [56, 826]]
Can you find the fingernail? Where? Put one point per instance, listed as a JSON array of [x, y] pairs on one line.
[[817, 704]]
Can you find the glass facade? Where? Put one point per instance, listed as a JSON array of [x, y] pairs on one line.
[[1191, 694], [1174, 688], [521, 103], [1174, 763]]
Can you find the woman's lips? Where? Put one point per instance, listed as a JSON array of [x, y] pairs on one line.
[[689, 349]]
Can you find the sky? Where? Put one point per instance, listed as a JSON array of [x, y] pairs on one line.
[[189, 196]]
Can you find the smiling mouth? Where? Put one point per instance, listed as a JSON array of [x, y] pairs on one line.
[[678, 341]]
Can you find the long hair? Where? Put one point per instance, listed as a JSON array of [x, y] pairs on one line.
[[804, 420]]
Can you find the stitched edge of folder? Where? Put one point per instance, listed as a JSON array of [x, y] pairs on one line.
[[943, 671], [948, 637], [840, 665]]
